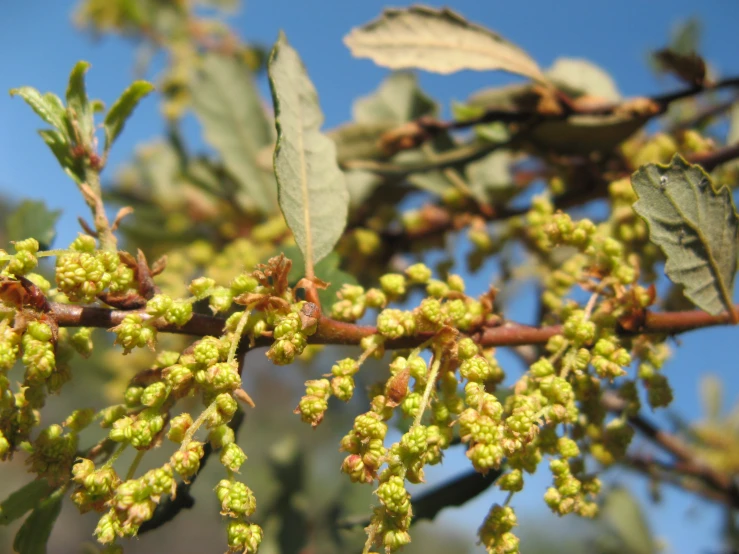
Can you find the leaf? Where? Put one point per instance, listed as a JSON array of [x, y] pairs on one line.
[[398, 99], [490, 178], [359, 140], [689, 68], [78, 104], [36, 530], [695, 226], [121, 110], [440, 41], [327, 270], [580, 77], [585, 134], [310, 186], [23, 500], [624, 516], [60, 148], [45, 106], [226, 102], [33, 219]]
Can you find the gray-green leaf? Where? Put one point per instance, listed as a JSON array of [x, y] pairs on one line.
[[578, 76], [23, 500], [311, 188], [440, 40], [122, 109], [228, 105], [36, 530], [624, 517], [398, 99], [695, 226], [33, 219], [78, 103], [47, 106], [60, 148]]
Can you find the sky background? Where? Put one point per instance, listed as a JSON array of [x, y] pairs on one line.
[[39, 46]]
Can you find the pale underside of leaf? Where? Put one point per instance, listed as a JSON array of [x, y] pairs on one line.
[[226, 101], [311, 188], [440, 41], [695, 226]]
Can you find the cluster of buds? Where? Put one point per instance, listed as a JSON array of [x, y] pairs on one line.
[[23, 261], [84, 272]]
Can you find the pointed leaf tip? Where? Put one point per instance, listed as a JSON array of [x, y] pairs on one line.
[[122, 109], [696, 227], [311, 188]]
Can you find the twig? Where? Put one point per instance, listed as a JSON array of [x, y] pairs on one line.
[[686, 461]]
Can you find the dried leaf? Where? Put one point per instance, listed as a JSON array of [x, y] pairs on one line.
[[695, 226], [689, 68], [437, 40], [311, 188]]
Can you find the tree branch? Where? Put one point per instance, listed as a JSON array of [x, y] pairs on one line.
[[687, 463], [331, 331]]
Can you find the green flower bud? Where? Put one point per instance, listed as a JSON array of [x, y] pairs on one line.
[[81, 341], [394, 497], [158, 305], [221, 299], [155, 394], [312, 409], [178, 427], [511, 481], [179, 313], [393, 284], [244, 538], [237, 500], [467, 348], [243, 283], [201, 286], [342, 388], [375, 298], [186, 462], [232, 457], [79, 419], [455, 283], [418, 273], [221, 436]]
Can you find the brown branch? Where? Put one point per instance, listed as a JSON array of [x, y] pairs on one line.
[[711, 160], [331, 331], [425, 128]]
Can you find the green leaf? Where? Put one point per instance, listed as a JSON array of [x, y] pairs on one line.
[[48, 106], [121, 110], [23, 500], [78, 103], [327, 270], [440, 40], [60, 148], [580, 77], [227, 103], [33, 219], [623, 515], [359, 141], [490, 178], [695, 226], [311, 187], [398, 99], [36, 530]]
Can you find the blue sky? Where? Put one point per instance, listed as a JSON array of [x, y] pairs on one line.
[[39, 45]]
